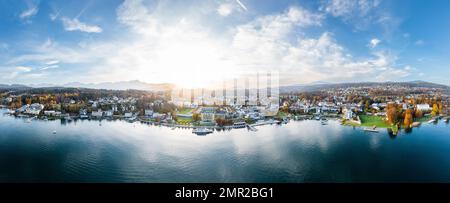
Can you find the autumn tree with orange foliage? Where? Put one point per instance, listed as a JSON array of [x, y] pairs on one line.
[[408, 120], [392, 113], [435, 110], [418, 113]]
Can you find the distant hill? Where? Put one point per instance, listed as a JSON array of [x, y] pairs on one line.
[[122, 85], [138, 85], [14, 87], [321, 86]]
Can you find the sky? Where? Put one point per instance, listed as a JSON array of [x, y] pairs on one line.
[[195, 42]]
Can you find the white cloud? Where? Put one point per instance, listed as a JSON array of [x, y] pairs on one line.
[[76, 25], [50, 67], [263, 44], [53, 16], [374, 42], [31, 11], [51, 52], [134, 14], [23, 68], [225, 9], [52, 62], [348, 9], [360, 13], [156, 51], [419, 42]]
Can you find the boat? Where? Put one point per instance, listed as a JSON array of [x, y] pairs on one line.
[[54, 132], [202, 131], [324, 122], [372, 130], [432, 120], [415, 124], [240, 125]]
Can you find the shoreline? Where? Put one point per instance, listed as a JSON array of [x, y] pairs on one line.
[[250, 126]]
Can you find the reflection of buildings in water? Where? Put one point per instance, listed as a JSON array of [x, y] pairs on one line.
[[249, 90]]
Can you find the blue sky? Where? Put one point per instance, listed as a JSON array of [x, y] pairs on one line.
[[192, 41]]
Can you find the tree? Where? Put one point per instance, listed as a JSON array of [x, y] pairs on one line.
[[441, 108], [392, 114], [418, 113], [28, 100], [366, 106], [435, 110], [196, 117], [408, 120]]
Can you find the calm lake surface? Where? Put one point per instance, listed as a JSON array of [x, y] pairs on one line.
[[300, 151]]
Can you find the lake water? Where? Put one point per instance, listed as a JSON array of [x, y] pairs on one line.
[[300, 151]]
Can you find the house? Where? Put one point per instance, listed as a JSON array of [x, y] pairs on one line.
[[109, 113], [22, 109], [97, 114], [423, 107], [158, 116], [34, 109], [208, 114], [82, 112], [148, 112], [347, 114]]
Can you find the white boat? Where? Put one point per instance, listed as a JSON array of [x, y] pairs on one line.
[[432, 120], [240, 125], [54, 132], [372, 130], [202, 131]]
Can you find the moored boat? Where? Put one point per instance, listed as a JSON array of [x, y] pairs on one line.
[[202, 131]]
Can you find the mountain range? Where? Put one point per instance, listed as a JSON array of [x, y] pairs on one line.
[[122, 85], [323, 85], [138, 85]]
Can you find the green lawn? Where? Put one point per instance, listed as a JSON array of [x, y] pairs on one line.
[[184, 121], [367, 120]]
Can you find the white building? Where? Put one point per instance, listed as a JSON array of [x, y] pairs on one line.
[[109, 113], [98, 113], [148, 112], [347, 114], [423, 107], [34, 109]]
